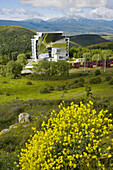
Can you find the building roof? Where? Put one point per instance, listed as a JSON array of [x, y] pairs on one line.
[[51, 32]]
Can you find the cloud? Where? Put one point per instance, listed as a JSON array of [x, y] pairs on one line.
[[75, 10], [100, 13], [6, 11], [18, 14], [68, 3]]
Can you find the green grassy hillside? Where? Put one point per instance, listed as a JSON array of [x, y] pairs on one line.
[[87, 39], [19, 97], [15, 38], [108, 37], [104, 45]]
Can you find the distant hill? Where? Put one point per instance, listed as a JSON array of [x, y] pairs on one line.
[[104, 46], [86, 40], [108, 37], [70, 25], [15, 38]]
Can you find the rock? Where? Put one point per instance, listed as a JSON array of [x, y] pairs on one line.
[[24, 117], [26, 125], [12, 126], [5, 130]]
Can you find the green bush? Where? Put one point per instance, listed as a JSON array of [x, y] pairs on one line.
[[79, 84], [110, 82], [13, 69], [97, 72], [7, 160], [46, 88], [81, 80], [96, 80], [43, 90], [107, 78], [60, 87], [29, 83], [75, 81], [88, 90]]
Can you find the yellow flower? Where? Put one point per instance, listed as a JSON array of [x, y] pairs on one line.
[[77, 156], [76, 132], [109, 156], [109, 148]]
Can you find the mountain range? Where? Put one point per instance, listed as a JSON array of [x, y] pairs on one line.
[[70, 26]]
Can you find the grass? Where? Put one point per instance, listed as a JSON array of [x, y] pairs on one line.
[[18, 88], [59, 45], [17, 97]]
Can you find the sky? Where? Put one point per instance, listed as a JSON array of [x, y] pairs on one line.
[[48, 9]]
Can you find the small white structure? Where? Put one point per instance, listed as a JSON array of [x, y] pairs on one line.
[[23, 72], [79, 60]]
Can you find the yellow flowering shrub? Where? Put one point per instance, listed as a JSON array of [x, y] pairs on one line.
[[72, 139]]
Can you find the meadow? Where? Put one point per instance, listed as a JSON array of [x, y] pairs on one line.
[[26, 95], [13, 89]]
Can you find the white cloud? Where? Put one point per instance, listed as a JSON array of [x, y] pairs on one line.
[[6, 11], [69, 3], [100, 13], [18, 14], [75, 10]]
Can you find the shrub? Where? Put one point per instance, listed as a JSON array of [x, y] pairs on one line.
[[60, 87], [72, 139], [29, 83], [107, 78], [80, 84], [7, 160], [81, 80], [96, 80], [97, 72], [88, 90], [43, 90], [111, 82], [50, 88], [46, 89], [13, 69], [21, 58], [75, 81]]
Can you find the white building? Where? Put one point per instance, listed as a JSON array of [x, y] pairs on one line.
[[54, 54]]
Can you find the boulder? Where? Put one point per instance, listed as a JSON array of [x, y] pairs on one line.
[[5, 130], [24, 117], [26, 125], [13, 126]]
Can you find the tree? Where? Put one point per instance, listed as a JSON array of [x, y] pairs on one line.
[[63, 68], [105, 53], [52, 68], [28, 55], [87, 56], [3, 70], [4, 59], [95, 57], [13, 69], [14, 55], [22, 59], [43, 67], [72, 51]]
